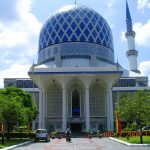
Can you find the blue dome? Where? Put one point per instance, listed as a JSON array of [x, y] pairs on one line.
[[76, 24]]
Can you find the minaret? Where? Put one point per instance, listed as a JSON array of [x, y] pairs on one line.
[[130, 35]]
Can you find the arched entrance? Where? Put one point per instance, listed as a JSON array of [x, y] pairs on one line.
[[76, 109], [75, 106], [75, 103]]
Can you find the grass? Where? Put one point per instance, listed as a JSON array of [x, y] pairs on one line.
[[136, 139], [13, 141]]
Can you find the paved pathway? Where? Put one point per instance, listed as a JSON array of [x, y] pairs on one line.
[[80, 144]]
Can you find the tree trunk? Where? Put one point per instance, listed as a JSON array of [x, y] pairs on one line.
[[141, 136], [8, 130]]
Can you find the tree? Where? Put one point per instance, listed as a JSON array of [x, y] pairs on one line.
[[135, 109], [17, 106]]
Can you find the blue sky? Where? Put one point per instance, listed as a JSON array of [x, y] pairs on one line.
[[21, 21]]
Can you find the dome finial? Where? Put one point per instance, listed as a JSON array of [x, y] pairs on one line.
[[75, 2]]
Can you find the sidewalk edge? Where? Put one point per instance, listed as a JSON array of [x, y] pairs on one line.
[[15, 146], [129, 144]]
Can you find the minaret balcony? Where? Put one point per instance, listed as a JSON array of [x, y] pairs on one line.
[[132, 33], [132, 52]]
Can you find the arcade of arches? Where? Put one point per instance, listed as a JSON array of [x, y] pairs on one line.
[[75, 106]]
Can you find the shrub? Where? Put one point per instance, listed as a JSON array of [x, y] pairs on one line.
[[53, 135], [20, 135]]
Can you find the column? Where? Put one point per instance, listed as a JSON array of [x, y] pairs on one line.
[[40, 108], [43, 110], [64, 119], [110, 113], [33, 125], [87, 109]]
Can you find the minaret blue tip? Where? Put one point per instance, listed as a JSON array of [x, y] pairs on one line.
[[128, 19]]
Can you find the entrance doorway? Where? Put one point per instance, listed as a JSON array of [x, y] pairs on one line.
[[76, 127], [75, 103]]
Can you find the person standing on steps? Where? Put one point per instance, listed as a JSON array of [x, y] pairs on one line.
[[68, 135]]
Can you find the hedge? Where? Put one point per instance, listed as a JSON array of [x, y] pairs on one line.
[[19, 135]]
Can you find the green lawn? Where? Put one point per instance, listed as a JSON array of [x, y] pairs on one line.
[[136, 139], [12, 142]]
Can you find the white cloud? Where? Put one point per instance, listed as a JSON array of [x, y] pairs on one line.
[[110, 3], [19, 32], [142, 31], [12, 36], [15, 71], [141, 4], [144, 67], [65, 8], [123, 38]]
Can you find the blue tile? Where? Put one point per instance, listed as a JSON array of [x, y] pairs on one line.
[[69, 19], [44, 31], [94, 33], [54, 22], [73, 25], [86, 19], [89, 14], [93, 20], [65, 15], [101, 36], [57, 27], [61, 33], [78, 32], [104, 42], [77, 19], [65, 39], [61, 20], [57, 40], [69, 31], [53, 34], [90, 26], [65, 26], [91, 39], [104, 30], [98, 40], [82, 25], [86, 32], [73, 14], [50, 29], [97, 28], [82, 38], [47, 37], [73, 38]]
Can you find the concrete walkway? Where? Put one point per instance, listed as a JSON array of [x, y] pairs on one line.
[[80, 144]]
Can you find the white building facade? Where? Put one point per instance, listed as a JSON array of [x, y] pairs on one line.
[[75, 71]]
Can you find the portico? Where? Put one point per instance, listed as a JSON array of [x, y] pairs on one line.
[[81, 98]]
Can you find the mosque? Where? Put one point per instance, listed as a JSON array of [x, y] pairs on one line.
[[77, 83]]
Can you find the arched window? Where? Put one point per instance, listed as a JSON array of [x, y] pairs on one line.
[[75, 103], [54, 101], [97, 100]]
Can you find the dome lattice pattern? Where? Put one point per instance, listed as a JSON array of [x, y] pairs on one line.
[[79, 24]]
